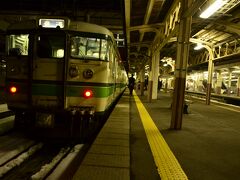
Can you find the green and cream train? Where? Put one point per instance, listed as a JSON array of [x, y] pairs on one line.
[[62, 76]]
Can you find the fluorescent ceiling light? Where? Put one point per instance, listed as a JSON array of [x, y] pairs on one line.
[[199, 46], [212, 8]]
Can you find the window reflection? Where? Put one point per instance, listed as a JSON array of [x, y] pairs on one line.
[[89, 48]]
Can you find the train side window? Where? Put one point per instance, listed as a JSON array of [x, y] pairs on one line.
[[85, 47], [93, 48], [111, 55], [78, 47], [105, 46]]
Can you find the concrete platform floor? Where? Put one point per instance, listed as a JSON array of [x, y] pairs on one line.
[[207, 147]]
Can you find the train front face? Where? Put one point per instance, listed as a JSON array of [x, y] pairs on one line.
[[35, 75], [52, 74], [37, 78]]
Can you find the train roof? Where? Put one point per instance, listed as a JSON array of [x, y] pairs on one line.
[[69, 25], [88, 27]]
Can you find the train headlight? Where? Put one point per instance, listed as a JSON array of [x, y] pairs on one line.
[[13, 89], [73, 71], [87, 93], [87, 73]]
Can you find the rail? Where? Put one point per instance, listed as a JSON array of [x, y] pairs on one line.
[[228, 99]]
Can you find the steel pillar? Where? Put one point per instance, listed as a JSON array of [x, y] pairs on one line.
[[150, 85], [181, 66], [155, 72], [142, 74], [238, 87], [210, 74]]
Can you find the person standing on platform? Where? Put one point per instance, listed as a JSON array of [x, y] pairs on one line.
[[159, 85], [131, 83], [146, 83]]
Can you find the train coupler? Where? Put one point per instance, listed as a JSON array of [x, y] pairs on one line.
[[81, 118], [83, 111]]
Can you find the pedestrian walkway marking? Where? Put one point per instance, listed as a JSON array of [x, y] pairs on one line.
[[167, 164]]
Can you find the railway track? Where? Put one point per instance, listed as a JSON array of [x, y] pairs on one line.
[[23, 158], [234, 100]]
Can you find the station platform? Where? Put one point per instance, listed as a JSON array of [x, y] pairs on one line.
[[136, 142]]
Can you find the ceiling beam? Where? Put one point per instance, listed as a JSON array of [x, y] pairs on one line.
[[146, 18], [146, 26], [171, 26], [193, 40], [232, 27], [127, 17], [194, 7], [141, 44]]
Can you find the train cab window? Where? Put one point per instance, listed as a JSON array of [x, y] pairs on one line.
[[89, 48], [18, 44], [78, 47], [50, 46]]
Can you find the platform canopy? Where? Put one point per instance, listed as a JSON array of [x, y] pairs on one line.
[[143, 27]]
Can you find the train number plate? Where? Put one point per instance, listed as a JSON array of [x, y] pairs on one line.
[[44, 120]]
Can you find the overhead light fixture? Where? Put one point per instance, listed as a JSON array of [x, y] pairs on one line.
[[213, 8], [199, 46]]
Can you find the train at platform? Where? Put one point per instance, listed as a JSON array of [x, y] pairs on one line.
[[62, 76]]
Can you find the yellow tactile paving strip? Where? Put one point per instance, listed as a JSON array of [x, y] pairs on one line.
[[167, 164]]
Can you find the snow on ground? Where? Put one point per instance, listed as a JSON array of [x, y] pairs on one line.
[[48, 167], [3, 108], [6, 124], [56, 174], [20, 159], [6, 156]]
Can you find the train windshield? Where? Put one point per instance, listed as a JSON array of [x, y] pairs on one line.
[[89, 48], [50, 45], [18, 44]]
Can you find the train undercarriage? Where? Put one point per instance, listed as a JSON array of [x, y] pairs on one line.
[[76, 123]]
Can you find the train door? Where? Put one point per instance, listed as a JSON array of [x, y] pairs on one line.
[[17, 69], [48, 70]]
